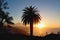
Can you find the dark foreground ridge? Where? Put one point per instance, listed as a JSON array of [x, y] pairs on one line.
[[8, 36]]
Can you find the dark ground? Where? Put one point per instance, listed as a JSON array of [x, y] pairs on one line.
[[22, 37]]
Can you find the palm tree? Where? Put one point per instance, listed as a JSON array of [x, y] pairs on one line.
[[8, 19], [3, 5], [30, 16], [4, 16]]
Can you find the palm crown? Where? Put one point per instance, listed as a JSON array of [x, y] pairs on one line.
[[30, 14]]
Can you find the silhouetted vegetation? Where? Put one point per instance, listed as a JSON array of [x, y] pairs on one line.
[[4, 16], [30, 16]]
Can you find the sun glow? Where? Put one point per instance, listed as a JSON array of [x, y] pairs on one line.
[[40, 25]]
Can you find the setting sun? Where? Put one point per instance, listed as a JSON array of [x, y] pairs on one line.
[[40, 25]]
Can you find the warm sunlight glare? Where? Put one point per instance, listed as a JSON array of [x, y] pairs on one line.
[[40, 25]]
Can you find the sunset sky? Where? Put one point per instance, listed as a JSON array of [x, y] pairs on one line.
[[49, 10]]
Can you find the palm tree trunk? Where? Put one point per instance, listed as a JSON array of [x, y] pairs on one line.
[[31, 28]]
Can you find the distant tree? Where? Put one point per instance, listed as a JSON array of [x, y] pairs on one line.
[[46, 33], [58, 32], [4, 16], [8, 19], [3, 5], [30, 16]]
